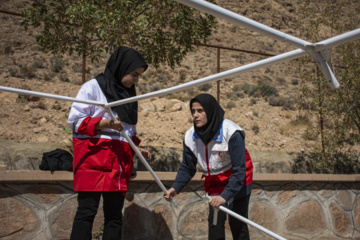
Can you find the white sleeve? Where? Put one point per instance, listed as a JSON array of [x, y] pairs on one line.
[[79, 111]]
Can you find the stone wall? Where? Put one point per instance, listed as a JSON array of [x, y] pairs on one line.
[[41, 205]]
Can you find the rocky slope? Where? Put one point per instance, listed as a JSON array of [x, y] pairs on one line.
[[163, 121]]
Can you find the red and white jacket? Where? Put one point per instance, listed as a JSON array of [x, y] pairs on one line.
[[103, 160], [224, 162]]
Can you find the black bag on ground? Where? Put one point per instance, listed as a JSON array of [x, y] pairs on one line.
[[58, 159]]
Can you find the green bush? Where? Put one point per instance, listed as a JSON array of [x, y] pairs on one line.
[[264, 89], [336, 163], [260, 90], [279, 101], [56, 64], [27, 71]]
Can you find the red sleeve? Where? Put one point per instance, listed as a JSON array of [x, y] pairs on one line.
[[87, 126], [136, 141]]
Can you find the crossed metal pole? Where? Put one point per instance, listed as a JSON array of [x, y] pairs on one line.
[[318, 51]]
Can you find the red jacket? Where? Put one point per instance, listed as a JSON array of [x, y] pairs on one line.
[[103, 160]]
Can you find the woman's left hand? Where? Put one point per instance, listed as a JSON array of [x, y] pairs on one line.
[[216, 201], [145, 153]]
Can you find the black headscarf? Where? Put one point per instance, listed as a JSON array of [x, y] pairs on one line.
[[214, 114], [121, 62]]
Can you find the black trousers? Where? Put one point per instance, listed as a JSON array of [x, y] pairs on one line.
[[88, 205], [238, 228]]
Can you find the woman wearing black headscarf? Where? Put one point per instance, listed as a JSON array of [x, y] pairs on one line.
[[103, 159], [217, 145]]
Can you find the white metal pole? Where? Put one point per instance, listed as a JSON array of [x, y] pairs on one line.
[[245, 220], [237, 19], [47, 95], [226, 74], [331, 42], [337, 40], [143, 160]]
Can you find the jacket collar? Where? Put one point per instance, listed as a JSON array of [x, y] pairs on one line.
[[217, 137]]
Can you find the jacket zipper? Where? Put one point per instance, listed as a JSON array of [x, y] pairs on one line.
[[207, 159]]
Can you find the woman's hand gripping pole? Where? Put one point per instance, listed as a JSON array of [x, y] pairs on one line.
[[136, 150]]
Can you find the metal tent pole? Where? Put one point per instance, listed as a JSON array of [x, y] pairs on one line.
[[310, 48], [143, 160], [245, 220], [58, 97]]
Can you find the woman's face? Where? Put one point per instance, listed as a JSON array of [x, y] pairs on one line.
[[131, 78], [199, 115]]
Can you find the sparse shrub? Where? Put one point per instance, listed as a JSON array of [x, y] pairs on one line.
[[56, 106], [252, 101], [192, 92], [294, 82], [13, 72], [264, 89], [22, 99], [256, 93], [281, 80], [246, 88], [237, 88], [48, 76], [141, 88], [178, 95], [98, 235], [231, 104], [255, 128], [182, 74], [301, 120], [149, 73], [38, 63], [161, 78], [260, 90], [64, 78], [77, 81], [41, 105], [77, 68], [205, 87], [56, 64], [268, 70], [233, 29], [8, 50], [337, 163], [184, 96], [67, 130], [27, 71], [154, 87], [279, 101], [310, 134], [235, 95]]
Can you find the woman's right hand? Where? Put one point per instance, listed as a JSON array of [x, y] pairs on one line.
[[109, 123], [170, 194]]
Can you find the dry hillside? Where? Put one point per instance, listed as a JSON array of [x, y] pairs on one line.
[[162, 121]]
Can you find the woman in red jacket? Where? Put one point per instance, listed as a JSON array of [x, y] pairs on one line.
[[103, 159], [217, 146]]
